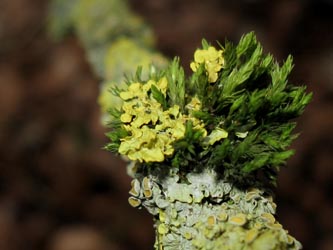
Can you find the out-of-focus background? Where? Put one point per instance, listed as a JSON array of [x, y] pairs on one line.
[[60, 191]]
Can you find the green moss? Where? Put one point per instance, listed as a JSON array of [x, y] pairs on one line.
[[250, 103]]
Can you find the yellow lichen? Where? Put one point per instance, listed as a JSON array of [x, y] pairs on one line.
[[194, 104], [135, 190], [197, 125], [162, 215], [268, 217], [188, 235], [140, 145], [148, 193], [151, 129], [251, 235], [252, 194], [146, 183], [212, 59], [134, 202], [162, 228], [258, 225], [216, 135], [211, 220], [238, 220], [141, 112], [222, 216]]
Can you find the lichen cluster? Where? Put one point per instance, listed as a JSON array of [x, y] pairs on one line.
[[208, 213], [149, 143], [151, 129], [205, 150]]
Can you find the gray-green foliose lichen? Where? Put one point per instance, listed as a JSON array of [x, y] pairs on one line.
[[205, 212]]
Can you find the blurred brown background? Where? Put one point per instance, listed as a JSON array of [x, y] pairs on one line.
[[60, 191]]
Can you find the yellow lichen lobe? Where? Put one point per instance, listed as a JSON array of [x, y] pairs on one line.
[[216, 135], [162, 215], [194, 104], [135, 190], [162, 228], [134, 202], [148, 193], [251, 235], [188, 235], [212, 59], [238, 220], [146, 184], [268, 217], [211, 220]]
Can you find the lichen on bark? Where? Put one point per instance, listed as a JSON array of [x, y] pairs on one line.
[[205, 149], [207, 212], [233, 119]]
